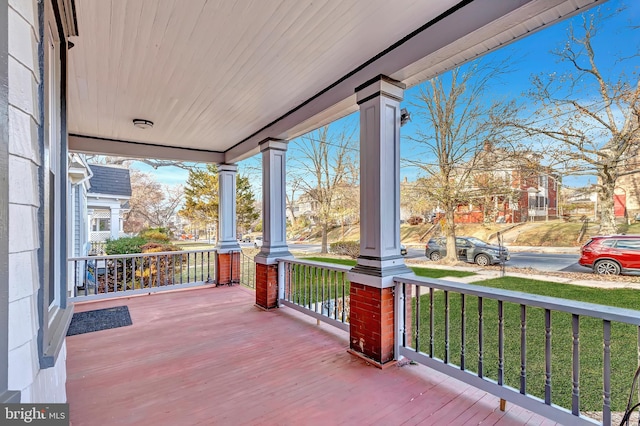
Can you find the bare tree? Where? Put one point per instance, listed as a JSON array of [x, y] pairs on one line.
[[589, 118], [151, 204], [293, 186], [414, 199], [453, 117], [326, 159], [153, 162]]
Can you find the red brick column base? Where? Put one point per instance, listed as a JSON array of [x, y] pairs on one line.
[[371, 321], [228, 268], [267, 286]]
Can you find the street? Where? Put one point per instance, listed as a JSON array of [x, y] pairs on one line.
[[547, 262], [539, 261]]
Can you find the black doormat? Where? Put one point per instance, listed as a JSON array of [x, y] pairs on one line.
[[100, 319]]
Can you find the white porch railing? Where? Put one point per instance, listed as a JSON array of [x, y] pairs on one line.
[[317, 289], [97, 277], [545, 380], [437, 329]]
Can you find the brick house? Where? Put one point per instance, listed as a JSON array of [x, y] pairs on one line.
[[510, 190]]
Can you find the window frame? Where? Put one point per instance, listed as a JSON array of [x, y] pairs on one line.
[[55, 313]]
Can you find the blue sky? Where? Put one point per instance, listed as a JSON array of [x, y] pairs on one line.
[[530, 55]]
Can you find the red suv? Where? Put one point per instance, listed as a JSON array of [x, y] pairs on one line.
[[612, 254]]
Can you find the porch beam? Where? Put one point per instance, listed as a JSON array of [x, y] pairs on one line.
[[123, 148]]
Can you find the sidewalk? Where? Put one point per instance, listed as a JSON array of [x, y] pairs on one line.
[[487, 274]]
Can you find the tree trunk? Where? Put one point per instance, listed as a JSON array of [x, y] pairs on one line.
[[607, 214], [449, 230], [324, 238]]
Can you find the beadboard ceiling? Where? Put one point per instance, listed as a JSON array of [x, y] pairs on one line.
[[218, 76]]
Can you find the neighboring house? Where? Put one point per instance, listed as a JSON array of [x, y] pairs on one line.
[[581, 201], [626, 196], [78, 187], [107, 201], [344, 205], [526, 198], [303, 206], [510, 189]]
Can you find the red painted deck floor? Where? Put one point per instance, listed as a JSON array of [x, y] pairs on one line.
[[209, 357]]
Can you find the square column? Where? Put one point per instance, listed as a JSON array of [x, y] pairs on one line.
[[115, 222], [372, 329], [274, 222], [228, 256]]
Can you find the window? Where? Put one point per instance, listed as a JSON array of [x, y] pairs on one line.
[[55, 317], [543, 181], [100, 224], [51, 167], [605, 243], [628, 244]]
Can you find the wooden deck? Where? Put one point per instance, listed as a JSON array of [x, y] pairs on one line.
[[208, 356]]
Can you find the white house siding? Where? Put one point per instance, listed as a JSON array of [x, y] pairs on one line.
[[78, 231], [25, 375]]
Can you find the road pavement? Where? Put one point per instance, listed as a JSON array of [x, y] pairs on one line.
[[542, 261]]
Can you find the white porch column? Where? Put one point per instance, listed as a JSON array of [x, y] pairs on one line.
[[380, 259], [226, 239], [115, 222], [274, 226]]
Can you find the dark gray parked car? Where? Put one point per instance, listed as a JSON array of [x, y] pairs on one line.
[[470, 249]]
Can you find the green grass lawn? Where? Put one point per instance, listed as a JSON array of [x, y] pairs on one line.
[[623, 343]]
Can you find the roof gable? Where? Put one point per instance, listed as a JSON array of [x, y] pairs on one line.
[[110, 181]]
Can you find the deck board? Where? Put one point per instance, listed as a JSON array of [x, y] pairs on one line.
[[209, 356]]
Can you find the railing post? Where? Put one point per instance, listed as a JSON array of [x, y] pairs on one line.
[[399, 301], [281, 278]]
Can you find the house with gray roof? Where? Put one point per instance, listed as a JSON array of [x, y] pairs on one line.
[[107, 201]]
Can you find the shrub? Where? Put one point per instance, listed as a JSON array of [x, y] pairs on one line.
[[155, 247], [156, 234], [131, 245], [346, 248], [415, 220], [150, 271], [126, 245]]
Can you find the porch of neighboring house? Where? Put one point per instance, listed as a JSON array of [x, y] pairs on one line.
[[209, 356]]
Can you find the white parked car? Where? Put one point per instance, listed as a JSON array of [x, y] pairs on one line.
[[257, 242]]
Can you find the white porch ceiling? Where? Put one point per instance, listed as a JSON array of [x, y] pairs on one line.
[[219, 76]]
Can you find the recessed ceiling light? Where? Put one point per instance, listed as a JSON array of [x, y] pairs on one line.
[[142, 124]]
